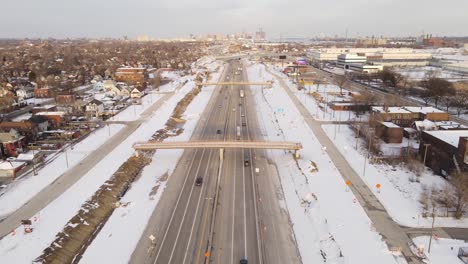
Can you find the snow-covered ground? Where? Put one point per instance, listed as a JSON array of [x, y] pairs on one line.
[[20, 191], [23, 248], [327, 93], [443, 251], [328, 223], [128, 223], [133, 112], [399, 191]]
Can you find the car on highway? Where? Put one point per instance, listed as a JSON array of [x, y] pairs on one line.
[[234, 109], [218, 131], [243, 115], [243, 261], [198, 181], [246, 163]]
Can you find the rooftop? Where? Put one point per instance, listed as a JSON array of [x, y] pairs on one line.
[[451, 137]]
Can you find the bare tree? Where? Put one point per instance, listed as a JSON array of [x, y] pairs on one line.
[[341, 81], [446, 101], [446, 198], [460, 101], [460, 184]]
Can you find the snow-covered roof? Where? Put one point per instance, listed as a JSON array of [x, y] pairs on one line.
[[452, 137], [450, 125], [391, 110], [9, 165], [423, 109], [389, 124], [26, 156], [425, 125], [59, 113]]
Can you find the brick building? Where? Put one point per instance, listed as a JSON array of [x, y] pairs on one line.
[[132, 76], [405, 116], [389, 132], [446, 151]]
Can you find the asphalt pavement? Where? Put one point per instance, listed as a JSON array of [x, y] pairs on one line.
[[187, 224]]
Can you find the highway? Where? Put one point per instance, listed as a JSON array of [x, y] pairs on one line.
[[247, 221]]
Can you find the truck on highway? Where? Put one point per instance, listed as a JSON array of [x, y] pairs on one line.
[[238, 132], [241, 93]]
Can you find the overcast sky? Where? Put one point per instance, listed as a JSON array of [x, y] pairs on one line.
[[179, 18]]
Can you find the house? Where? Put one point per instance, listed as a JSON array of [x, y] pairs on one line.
[[44, 92], [98, 86], [132, 76], [41, 122], [397, 115], [429, 113], [445, 151], [9, 169], [94, 108], [25, 92], [110, 88], [56, 118], [65, 99], [25, 128], [389, 132], [136, 93], [12, 143], [405, 115]]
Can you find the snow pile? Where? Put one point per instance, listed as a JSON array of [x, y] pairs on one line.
[[328, 226]]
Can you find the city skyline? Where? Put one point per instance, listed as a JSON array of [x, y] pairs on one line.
[[166, 19]]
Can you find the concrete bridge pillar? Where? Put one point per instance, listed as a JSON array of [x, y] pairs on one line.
[[221, 153]]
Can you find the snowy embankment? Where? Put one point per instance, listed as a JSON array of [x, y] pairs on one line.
[[399, 191], [133, 112], [329, 225], [24, 248], [128, 223], [22, 190]]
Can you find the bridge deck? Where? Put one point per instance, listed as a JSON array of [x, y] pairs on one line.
[[217, 144]]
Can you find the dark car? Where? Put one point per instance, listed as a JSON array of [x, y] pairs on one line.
[[218, 131], [246, 163], [198, 181], [243, 261]]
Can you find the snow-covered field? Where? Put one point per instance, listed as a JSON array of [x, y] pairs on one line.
[[128, 223], [23, 248], [399, 191], [328, 223], [443, 251]]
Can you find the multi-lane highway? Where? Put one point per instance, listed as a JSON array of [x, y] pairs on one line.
[[235, 213]]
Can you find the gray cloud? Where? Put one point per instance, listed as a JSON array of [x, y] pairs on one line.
[[172, 18]]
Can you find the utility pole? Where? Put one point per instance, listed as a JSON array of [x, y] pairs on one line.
[[366, 157], [432, 230], [425, 153]]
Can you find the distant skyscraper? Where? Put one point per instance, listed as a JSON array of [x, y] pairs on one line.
[[260, 35]]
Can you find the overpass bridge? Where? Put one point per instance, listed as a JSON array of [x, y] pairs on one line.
[[235, 83], [240, 144]]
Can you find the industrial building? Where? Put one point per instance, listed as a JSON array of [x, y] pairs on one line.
[[381, 56]]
